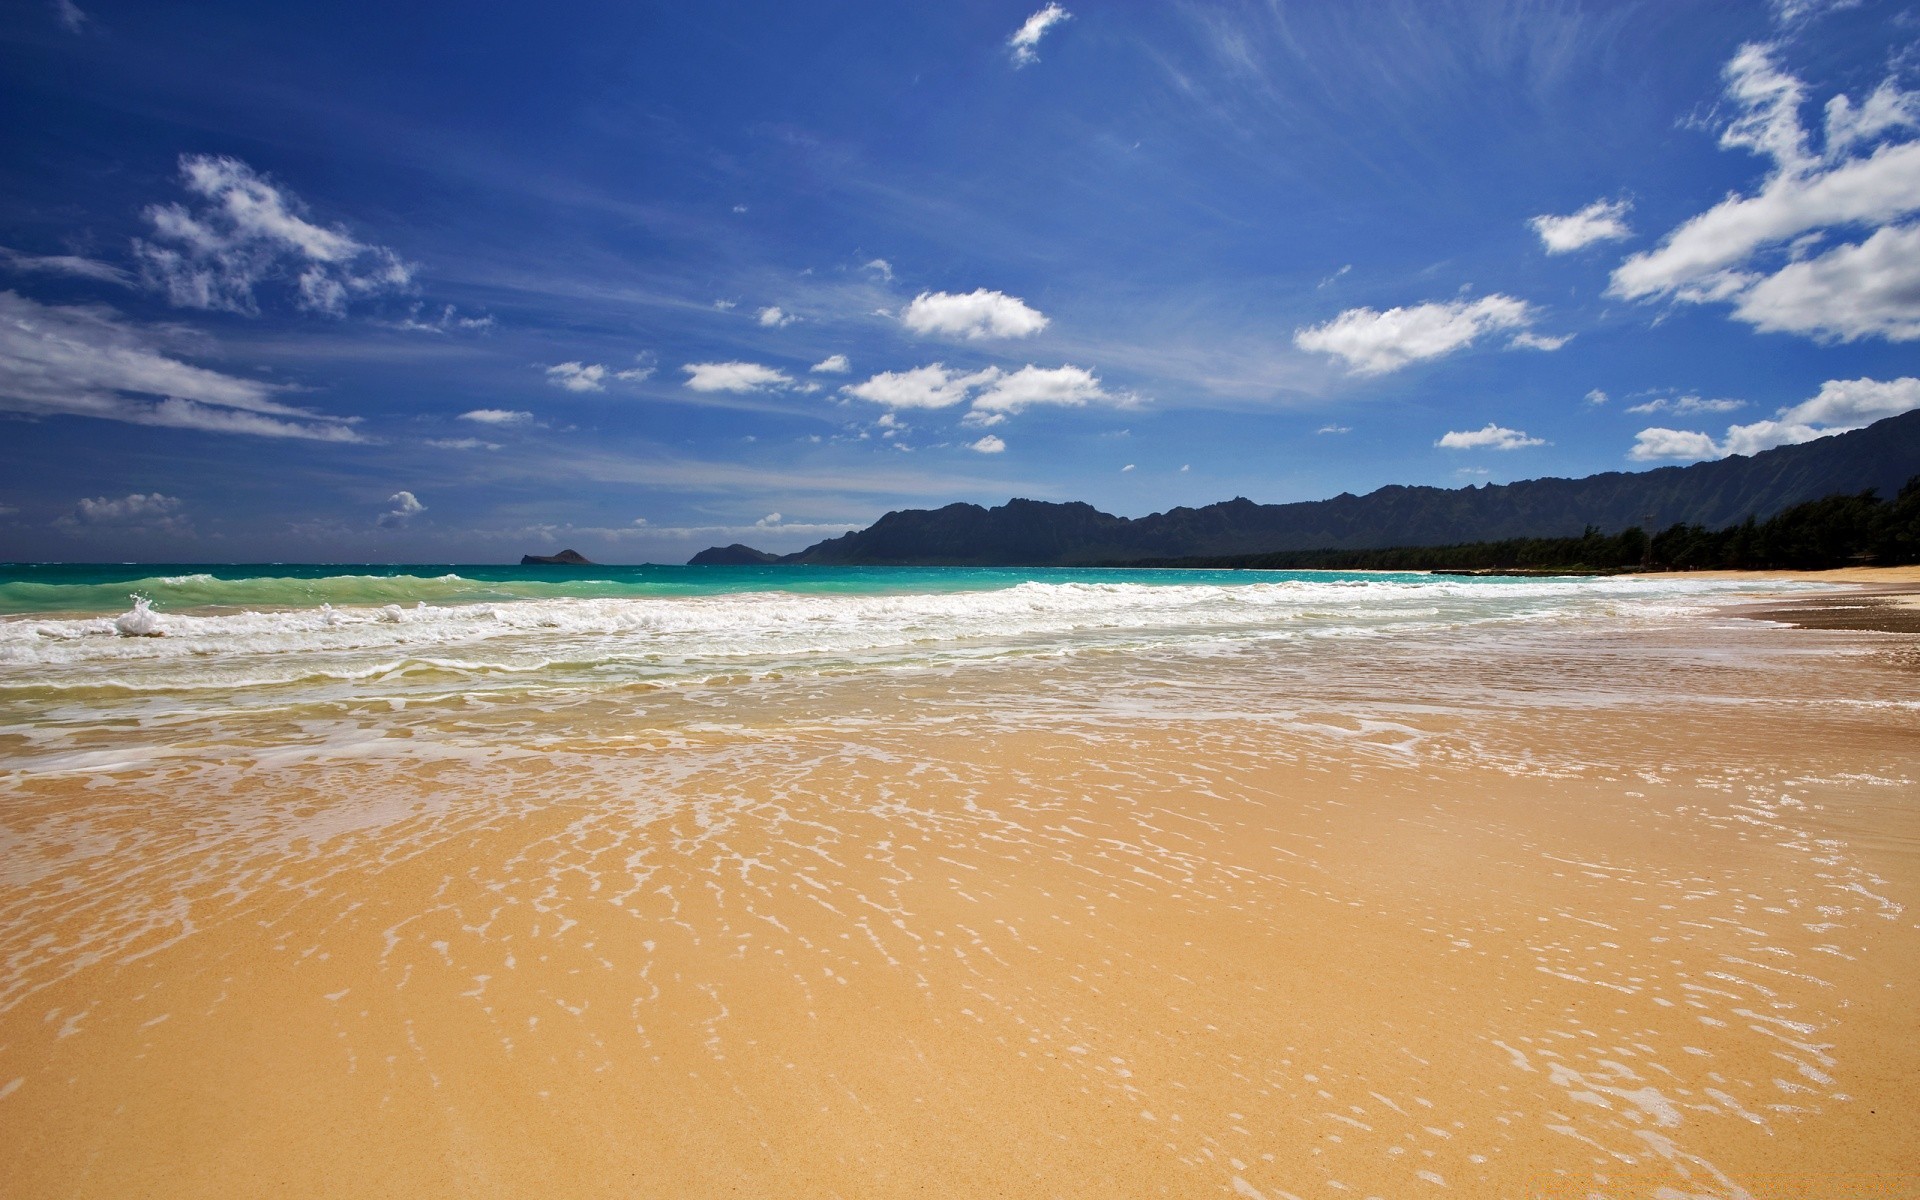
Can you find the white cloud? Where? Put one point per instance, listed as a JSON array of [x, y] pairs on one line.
[[447, 321], [975, 419], [406, 506], [497, 416], [1125, 469], [461, 444], [248, 232], [1793, 12], [1687, 404], [832, 364], [1374, 343], [880, 267], [578, 377], [1851, 403], [135, 511], [642, 370], [1850, 292], [65, 264], [976, 314], [768, 521], [738, 377], [932, 386], [1538, 341], [1490, 437], [988, 445], [1596, 396], [1653, 444], [773, 317], [1334, 429], [1601, 221], [1067, 386], [1840, 405], [726, 305], [89, 362], [69, 15], [1752, 251], [1025, 42], [1334, 278]]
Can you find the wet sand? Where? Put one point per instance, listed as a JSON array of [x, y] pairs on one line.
[[1597, 915]]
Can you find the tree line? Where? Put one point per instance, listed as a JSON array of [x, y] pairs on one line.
[[1837, 531]]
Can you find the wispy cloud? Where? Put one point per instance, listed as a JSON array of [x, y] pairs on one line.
[[246, 231], [1024, 45], [66, 264], [497, 416], [148, 512], [88, 361]]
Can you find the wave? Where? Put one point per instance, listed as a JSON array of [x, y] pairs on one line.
[[642, 636]]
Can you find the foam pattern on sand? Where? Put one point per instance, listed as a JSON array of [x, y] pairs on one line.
[[1377, 917]]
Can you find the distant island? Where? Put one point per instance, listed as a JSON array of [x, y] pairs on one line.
[[1704, 496], [566, 558]]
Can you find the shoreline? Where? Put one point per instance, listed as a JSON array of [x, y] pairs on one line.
[[1547, 911]]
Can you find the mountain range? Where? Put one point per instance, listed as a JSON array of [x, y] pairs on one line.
[[1882, 456]]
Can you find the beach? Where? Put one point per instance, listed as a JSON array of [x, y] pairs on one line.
[[1074, 886]]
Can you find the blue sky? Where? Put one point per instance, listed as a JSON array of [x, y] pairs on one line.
[[440, 282]]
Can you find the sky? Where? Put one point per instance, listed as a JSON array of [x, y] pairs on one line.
[[453, 283]]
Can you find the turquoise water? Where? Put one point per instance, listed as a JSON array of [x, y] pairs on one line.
[[46, 588]]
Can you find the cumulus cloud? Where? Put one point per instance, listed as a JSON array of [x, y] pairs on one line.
[[497, 416], [1601, 221], [1489, 437], [246, 231], [1025, 42], [832, 364], [1756, 251], [974, 315], [932, 386], [988, 445], [65, 264], [1839, 406], [1067, 386], [738, 377], [1658, 443], [578, 377], [89, 362], [148, 512], [996, 394], [406, 506], [773, 317], [1374, 343]]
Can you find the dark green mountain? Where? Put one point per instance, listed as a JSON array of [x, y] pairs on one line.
[[1710, 494]]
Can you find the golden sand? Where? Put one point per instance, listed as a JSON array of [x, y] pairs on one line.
[[1602, 918]]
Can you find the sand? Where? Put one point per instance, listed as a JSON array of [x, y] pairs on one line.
[[1600, 915]]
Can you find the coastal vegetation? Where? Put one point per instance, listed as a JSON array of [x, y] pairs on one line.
[[1836, 531]]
